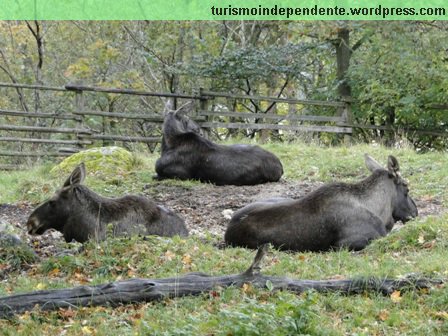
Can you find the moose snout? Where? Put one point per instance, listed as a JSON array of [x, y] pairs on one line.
[[414, 211], [32, 225]]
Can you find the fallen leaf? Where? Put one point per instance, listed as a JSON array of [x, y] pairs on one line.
[[186, 259], [442, 315], [80, 277], [337, 277], [396, 296], [427, 198], [169, 255], [54, 272], [383, 315], [66, 314], [214, 294], [421, 239], [429, 244], [423, 290], [247, 288], [86, 330], [41, 286]]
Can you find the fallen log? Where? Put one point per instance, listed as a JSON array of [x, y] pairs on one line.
[[144, 290]]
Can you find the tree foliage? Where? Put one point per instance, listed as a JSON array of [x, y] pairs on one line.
[[397, 70], [399, 75]]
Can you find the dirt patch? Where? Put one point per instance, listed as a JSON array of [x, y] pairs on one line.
[[205, 207]]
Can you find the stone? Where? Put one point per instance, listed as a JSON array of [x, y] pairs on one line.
[[105, 162]]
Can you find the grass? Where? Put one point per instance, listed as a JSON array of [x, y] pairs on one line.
[[421, 246]]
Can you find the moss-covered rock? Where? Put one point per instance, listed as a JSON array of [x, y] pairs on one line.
[[104, 162]]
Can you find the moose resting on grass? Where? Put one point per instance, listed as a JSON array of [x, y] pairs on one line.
[[80, 214], [335, 215], [188, 155]]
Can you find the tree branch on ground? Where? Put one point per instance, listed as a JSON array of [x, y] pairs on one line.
[[145, 290]]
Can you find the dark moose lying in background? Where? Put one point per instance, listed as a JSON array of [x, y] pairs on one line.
[[81, 214], [336, 215], [186, 154]]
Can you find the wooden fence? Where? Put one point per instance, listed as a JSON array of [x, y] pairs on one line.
[[206, 111]]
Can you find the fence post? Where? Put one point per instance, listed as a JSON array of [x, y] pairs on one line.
[[79, 107], [346, 114], [203, 106], [203, 102]]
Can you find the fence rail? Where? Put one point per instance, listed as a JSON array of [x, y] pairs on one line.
[[207, 111], [273, 116], [40, 115], [331, 129], [123, 138], [35, 154], [212, 94], [47, 141], [43, 129], [83, 88], [80, 135]]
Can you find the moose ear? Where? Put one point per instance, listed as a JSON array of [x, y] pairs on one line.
[[371, 163], [392, 165], [77, 176], [185, 109]]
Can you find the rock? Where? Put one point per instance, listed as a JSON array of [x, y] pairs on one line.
[[8, 236], [227, 213], [106, 162], [9, 240]]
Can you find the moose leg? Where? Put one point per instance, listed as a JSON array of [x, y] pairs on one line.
[[363, 228], [166, 167], [356, 242]]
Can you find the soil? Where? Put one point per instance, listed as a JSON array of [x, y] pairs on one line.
[[206, 208]]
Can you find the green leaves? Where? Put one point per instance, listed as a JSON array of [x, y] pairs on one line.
[[255, 63], [398, 74]]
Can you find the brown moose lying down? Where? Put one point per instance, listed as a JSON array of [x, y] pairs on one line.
[[81, 214], [335, 215], [186, 154]]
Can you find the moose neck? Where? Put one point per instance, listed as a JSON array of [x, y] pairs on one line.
[[106, 208], [378, 194]]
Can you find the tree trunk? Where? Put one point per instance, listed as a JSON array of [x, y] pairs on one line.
[[343, 54], [389, 122], [143, 290]]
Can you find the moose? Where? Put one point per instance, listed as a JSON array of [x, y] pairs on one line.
[[81, 214], [186, 154], [334, 216]]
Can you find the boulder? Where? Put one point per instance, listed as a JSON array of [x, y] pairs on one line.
[[108, 162]]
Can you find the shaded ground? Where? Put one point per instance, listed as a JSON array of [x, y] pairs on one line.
[[205, 208]]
